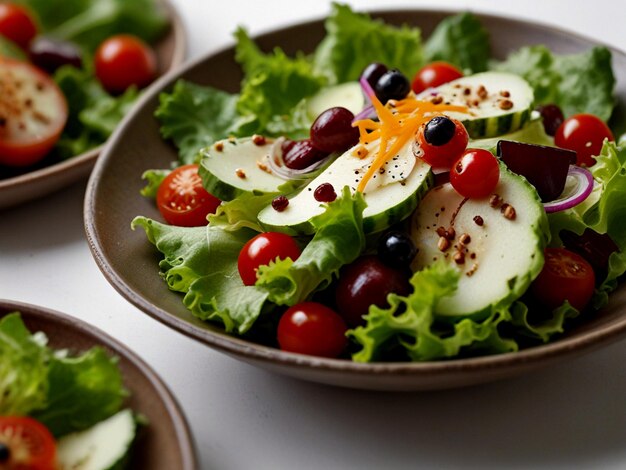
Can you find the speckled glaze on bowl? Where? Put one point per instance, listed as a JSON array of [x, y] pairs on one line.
[[166, 442], [45, 179], [129, 262]]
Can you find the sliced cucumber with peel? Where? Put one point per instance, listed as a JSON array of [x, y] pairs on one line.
[[502, 255], [533, 132], [101, 447], [232, 167], [390, 196], [504, 106], [347, 95]]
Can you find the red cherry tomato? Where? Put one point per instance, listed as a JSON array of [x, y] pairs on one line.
[[33, 112], [312, 328], [585, 134], [30, 444], [565, 276], [182, 200], [443, 156], [475, 174], [433, 75], [262, 249], [17, 24], [124, 60]]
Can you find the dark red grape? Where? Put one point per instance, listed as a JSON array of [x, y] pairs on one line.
[[552, 117], [373, 72], [301, 154], [49, 54], [332, 131], [392, 85], [367, 282]]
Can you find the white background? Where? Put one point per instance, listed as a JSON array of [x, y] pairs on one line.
[[569, 416]]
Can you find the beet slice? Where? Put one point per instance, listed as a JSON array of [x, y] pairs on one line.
[[544, 167]]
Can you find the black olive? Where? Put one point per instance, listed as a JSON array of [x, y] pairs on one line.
[[396, 249], [392, 85], [5, 452], [439, 131]]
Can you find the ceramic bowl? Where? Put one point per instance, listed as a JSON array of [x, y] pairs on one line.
[[129, 262], [166, 442]]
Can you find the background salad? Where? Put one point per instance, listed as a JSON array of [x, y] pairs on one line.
[[81, 45], [203, 263]]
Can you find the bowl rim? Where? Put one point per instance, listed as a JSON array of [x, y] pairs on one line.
[[237, 347], [174, 410], [82, 163]]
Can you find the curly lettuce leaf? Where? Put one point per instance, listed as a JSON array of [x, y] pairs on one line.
[[338, 240], [195, 116], [541, 328], [89, 22], [153, 179], [23, 368], [273, 84], [461, 40], [578, 83], [83, 391], [354, 40], [202, 263], [11, 50], [412, 322]]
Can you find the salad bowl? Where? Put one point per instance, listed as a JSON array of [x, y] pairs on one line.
[[18, 187], [130, 263], [166, 441]]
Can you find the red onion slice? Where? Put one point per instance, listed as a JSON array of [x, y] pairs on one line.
[[578, 187], [367, 89], [366, 113]]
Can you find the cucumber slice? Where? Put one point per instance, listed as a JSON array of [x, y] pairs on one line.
[[390, 196], [498, 102], [532, 133], [348, 95], [103, 446], [503, 254], [233, 167]]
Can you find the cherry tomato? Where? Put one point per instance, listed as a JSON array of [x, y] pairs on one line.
[[585, 134], [444, 155], [312, 328], [33, 112], [475, 174], [565, 276], [182, 200], [433, 75], [262, 249], [29, 443], [17, 24], [124, 60]]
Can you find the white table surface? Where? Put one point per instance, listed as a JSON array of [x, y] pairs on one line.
[[568, 416]]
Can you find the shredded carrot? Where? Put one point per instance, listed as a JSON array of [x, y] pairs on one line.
[[398, 122]]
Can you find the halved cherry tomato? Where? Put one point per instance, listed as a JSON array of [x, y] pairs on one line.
[[17, 24], [28, 445], [565, 276], [312, 328], [585, 134], [124, 60], [433, 75], [443, 156], [475, 174], [33, 112], [182, 200], [262, 249]]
